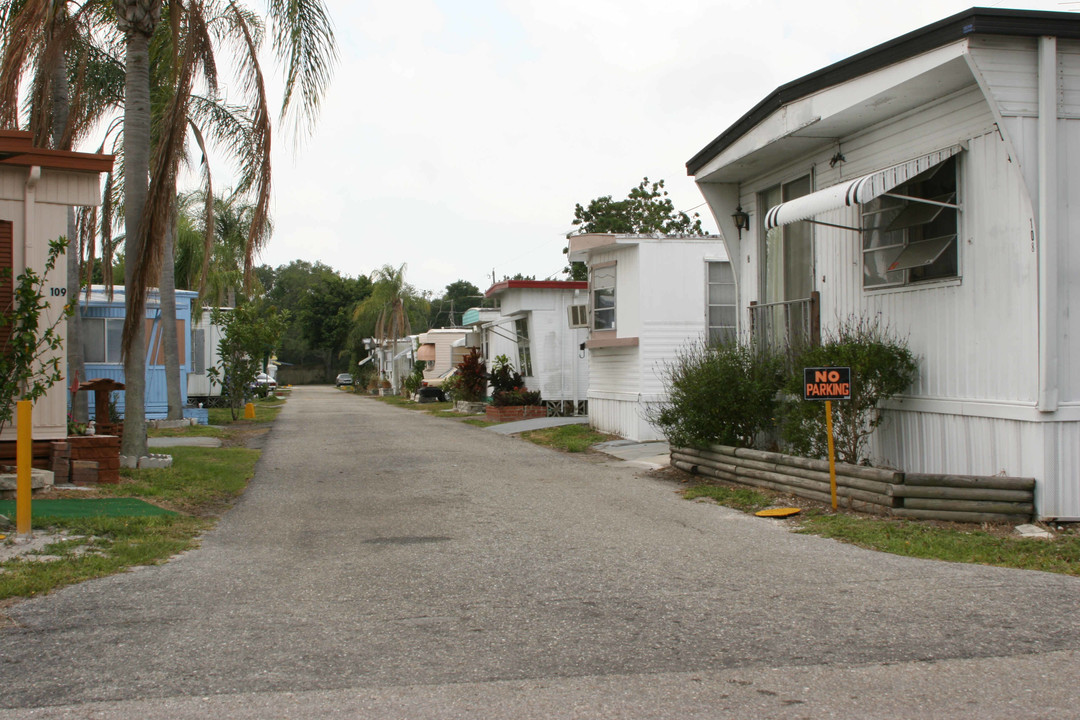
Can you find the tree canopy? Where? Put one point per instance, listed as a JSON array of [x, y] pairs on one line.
[[646, 209]]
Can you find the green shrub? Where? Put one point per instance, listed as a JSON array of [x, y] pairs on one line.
[[718, 394], [520, 396], [503, 375], [881, 366], [470, 381], [416, 379]]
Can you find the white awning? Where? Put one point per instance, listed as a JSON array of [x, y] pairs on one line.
[[854, 192]]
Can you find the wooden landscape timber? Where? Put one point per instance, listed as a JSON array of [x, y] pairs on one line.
[[960, 498]]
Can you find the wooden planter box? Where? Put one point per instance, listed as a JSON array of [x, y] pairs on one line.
[[509, 413]]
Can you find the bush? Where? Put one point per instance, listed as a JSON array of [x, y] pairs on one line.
[[881, 366], [414, 381], [520, 396], [719, 394], [503, 375], [470, 382]]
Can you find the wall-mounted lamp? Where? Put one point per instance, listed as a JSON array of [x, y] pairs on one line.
[[741, 220]]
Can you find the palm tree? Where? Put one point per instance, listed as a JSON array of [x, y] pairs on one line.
[[303, 39], [386, 312], [74, 80]]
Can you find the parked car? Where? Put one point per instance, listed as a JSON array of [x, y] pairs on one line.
[[343, 379], [429, 393]]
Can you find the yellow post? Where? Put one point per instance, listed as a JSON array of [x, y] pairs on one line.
[[249, 411], [24, 458], [832, 452]]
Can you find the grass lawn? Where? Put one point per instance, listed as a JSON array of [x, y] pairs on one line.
[[951, 542], [201, 483], [266, 410], [568, 438]]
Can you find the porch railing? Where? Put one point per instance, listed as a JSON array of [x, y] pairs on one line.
[[781, 326]]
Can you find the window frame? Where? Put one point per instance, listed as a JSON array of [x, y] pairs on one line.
[[594, 312], [524, 347], [710, 336], [902, 198], [99, 328]]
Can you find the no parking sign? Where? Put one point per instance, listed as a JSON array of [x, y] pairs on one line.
[[828, 384]]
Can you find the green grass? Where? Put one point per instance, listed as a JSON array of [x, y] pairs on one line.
[[189, 431], [201, 480], [477, 421], [568, 438], [744, 499], [199, 485], [265, 411], [99, 546], [924, 540]]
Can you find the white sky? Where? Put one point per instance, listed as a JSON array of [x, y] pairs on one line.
[[458, 134]]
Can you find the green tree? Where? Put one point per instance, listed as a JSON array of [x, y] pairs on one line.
[[249, 334], [647, 209], [460, 295], [29, 363], [387, 315]]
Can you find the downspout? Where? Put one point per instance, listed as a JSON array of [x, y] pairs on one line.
[[1047, 222], [29, 224]]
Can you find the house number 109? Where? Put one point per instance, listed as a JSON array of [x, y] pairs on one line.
[[57, 291]]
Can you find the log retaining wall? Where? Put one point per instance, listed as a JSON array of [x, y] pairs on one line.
[[961, 498]]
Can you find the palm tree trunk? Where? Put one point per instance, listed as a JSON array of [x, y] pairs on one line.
[[61, 100], [136, 172], [168, 322]]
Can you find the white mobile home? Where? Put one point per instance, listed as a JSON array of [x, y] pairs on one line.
[[37, 186], [927, 182], [536, 331], [649, 295]]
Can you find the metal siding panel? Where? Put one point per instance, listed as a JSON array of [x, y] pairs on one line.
[[1069, 74], [1009, 67], [1069, 257]]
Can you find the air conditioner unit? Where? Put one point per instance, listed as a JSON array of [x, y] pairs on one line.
[[579, 316]]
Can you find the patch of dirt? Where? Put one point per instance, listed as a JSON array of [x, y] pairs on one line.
[[249, 436]]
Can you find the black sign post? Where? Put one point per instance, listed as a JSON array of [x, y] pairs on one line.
[[828, 384]]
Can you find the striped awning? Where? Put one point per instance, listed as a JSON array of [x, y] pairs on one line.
[[854, 192]]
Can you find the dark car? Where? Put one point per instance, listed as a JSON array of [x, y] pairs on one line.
[[429, 393], [343, 379]]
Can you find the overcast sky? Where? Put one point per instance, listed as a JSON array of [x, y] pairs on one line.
[[458, 134]]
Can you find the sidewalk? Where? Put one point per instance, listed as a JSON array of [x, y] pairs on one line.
[[652, 455]]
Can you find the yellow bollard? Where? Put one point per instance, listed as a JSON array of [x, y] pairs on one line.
[[24, 457], [249, 411]]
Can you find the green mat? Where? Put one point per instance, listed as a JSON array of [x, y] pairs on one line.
[[89, 507]]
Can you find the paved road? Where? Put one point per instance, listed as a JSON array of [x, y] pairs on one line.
[[388, 564]]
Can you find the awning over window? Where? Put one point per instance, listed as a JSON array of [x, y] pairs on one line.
[[854, 192], [426, 353]]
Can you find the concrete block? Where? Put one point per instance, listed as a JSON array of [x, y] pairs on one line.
[[1033, 531], [155, 461]]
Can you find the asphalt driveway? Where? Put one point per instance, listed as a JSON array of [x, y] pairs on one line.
[[385, 563]]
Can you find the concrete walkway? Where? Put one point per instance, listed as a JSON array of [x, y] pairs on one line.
[[160, 442], [519, 426]]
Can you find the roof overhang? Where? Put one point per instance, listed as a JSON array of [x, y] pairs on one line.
[[505, 285], [858, 92], [581, 246], [17, 148]]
